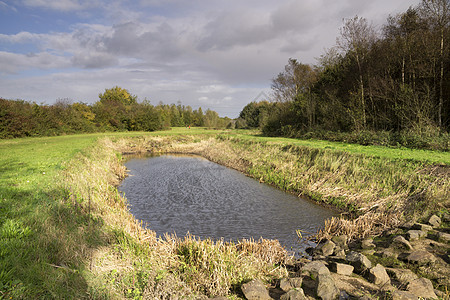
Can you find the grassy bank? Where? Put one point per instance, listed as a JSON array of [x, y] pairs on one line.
[[65, 231]]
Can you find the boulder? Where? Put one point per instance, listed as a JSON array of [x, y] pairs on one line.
[[423, 227], [255, 290], [285, 285], [413, 235], [359, 261], [294, 294], [387, 252], [367, 244], [342, 269], [444, 237], [434, 221], [379, 276], [326, 288], [296, 282], [400, 242], [315, 268], [421, 257], [403, 276], [403, 295], [340, 240], [326, 249], [422, 287]]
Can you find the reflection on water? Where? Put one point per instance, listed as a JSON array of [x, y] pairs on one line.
[[191, 194]]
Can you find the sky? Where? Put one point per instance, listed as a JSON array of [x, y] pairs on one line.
[[212, 54]]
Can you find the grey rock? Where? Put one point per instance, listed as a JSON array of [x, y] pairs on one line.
[[403, 276], [359, 261], [403, 295], [367, 244], [294, 294], [421, 257], [401, 243], [326, 249], [423, 227], [444, 237], [387, 252], [285, 285], [255, 290], [340, 240], [434, 221], [422, 287], [315, 268], [342, 269], [379, 276], [339, 252], [413, 235], [343, 295], [326, 288], [296, 282]]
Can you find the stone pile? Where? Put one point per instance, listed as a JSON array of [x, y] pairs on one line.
[[380, 267]]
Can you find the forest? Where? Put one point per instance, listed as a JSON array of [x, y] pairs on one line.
[[116, 110], [387, 86]]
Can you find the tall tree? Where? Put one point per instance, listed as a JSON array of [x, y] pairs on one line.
[[438, 12], [357, 38]]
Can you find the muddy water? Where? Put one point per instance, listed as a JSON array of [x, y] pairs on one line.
[[191, 194]]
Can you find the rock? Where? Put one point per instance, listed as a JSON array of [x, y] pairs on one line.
[[403, 276], [434, 221], [379, 276], [294, 294], [255, 290], [413, 235], [343, 295], [423, 227], [326, 288], [340, 240], [421, 287], [444, 237], [342, 269], [359, 261], [388, 252], [296, 282], [421, 257], [339, 252], [217, 298], [403, 295], [367, 244], [446, 217], [285, 285], [315, 268], [401, 243], [326, 249]]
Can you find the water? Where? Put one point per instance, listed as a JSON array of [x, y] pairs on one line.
[[184, 194]]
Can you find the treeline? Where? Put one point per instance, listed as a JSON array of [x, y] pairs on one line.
[[116, 110], [391, 87]]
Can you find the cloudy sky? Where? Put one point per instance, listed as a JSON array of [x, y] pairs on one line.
[[217, 54]]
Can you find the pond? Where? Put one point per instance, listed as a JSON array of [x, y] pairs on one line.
[[181, 194]]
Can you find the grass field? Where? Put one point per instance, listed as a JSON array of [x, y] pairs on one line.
[[59, 209]]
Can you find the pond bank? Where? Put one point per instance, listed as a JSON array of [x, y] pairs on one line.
[[173, 267]]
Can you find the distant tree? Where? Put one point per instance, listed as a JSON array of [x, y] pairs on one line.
[[117, 94]]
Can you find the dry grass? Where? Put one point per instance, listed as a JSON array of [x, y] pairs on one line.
[[133, 262]]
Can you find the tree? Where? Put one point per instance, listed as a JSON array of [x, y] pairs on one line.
[[296, 78], [438, 12], [117, 94], [357, 38]]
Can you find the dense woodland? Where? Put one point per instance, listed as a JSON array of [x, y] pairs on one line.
[[390, 86], [116, 110]]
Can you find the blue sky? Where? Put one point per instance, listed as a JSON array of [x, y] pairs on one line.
[[214, 54]]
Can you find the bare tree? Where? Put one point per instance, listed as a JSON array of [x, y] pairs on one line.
[[438, 12], [357, 38]]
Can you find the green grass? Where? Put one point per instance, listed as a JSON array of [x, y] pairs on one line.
[[428, 156]]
